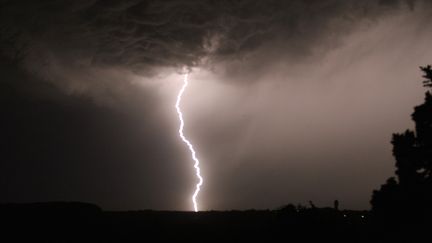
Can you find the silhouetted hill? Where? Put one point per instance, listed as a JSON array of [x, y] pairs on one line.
[[82, 222], [48, 222]]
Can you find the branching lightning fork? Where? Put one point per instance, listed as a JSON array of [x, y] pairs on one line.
[[189, 144]]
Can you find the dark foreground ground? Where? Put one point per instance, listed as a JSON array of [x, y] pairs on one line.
[[81, 222]]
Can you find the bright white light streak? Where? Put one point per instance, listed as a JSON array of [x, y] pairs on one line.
[[189, 144]]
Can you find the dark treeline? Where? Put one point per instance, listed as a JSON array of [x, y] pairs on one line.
[[81, 222]]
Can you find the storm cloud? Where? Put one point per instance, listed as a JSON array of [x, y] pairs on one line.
[[144, 36]]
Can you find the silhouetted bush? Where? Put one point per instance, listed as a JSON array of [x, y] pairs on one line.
[[410, 195]]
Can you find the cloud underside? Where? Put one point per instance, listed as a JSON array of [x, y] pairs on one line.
[[143, 35]]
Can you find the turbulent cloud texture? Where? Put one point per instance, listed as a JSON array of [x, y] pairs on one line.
[[143, 35]]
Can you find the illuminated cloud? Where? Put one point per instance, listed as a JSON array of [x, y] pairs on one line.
[[144, 35]]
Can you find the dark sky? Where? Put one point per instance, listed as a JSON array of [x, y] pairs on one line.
[[289, 101]]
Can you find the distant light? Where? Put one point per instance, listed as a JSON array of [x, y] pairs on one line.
[[362, 216], [345, 215]]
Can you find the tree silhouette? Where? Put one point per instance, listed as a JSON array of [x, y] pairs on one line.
[[428, 75], [411, 194]]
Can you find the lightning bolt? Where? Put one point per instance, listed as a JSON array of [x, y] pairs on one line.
[[189, 144]]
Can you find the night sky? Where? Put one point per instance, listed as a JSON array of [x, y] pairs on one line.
[[289, 101]]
